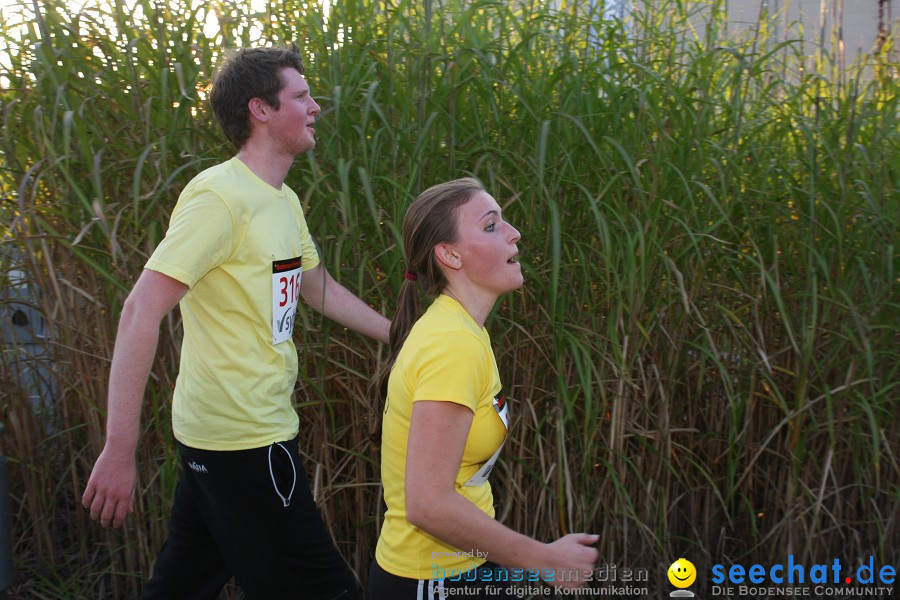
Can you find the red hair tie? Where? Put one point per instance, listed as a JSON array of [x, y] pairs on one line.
[[411, 276]]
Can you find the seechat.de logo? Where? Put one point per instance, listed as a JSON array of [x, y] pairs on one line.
[[682, 574], [791, 578]]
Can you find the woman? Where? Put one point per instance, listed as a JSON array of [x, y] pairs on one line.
[[445, 418]]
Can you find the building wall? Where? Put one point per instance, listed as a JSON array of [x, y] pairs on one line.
[[858, 19]]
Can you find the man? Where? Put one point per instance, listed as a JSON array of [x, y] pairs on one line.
[[237, 256]]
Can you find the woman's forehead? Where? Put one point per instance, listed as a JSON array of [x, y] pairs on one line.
[[479, 205]]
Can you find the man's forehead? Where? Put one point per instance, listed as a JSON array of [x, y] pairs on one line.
[[292, 79]]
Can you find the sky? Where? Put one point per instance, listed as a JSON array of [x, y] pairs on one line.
[[210, 29], [77, 4], [859, 24]]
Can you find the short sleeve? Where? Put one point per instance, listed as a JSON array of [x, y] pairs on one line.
[[310, 252], [200, 238], [453, 368]]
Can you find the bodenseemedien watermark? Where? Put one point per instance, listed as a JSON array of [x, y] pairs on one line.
[[603, 581], [542, 591], [459, 554], [602, 574]]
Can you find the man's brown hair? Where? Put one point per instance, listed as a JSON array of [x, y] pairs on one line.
[[249, 73]]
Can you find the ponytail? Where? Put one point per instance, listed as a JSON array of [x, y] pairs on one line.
[[408, 312], [430, 220]]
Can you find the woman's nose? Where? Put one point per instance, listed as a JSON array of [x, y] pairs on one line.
[[515, 236]]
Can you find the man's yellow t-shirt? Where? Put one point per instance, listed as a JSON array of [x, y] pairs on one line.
[[241, 246], [446, 357]]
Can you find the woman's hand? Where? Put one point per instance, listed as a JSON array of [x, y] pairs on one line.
[[437, 438], [573, 555]]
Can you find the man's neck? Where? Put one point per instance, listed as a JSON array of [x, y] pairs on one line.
[[271, 168]]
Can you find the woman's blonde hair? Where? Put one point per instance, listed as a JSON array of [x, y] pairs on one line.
[[430, 220]]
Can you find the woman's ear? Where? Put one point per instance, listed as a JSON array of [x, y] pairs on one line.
[[447, 256]]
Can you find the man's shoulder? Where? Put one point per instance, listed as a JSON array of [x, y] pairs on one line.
[[226, 183], [221, 174]]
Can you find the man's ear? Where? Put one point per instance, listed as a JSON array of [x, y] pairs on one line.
[[259, 110], [447, 255]]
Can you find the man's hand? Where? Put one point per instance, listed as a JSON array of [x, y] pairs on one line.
[[110, 490]]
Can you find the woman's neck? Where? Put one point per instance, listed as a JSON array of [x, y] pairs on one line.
[[479, 306]]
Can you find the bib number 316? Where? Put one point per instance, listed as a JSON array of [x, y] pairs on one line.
[[286, 276]]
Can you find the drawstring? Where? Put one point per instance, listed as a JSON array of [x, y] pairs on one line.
[[285, 501]]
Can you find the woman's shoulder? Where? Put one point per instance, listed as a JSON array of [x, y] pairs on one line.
[[445, 322]]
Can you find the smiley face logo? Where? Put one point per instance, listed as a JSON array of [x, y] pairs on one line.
[[682, 573]]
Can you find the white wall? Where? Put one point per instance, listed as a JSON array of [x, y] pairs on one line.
[[859, 19]]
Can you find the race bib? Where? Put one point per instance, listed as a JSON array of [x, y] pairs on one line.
[[502, 408], [286, 276]]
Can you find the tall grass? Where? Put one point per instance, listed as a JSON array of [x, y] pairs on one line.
[[703, 361]]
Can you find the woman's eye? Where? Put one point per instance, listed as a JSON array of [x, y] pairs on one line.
[[489, 227]]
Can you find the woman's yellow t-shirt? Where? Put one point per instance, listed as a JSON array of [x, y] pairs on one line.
[[446, 357]]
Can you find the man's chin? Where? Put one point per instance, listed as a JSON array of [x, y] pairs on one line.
[[306, 147]]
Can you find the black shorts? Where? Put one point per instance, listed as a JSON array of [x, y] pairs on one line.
[[485, 582], [247, 514]]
